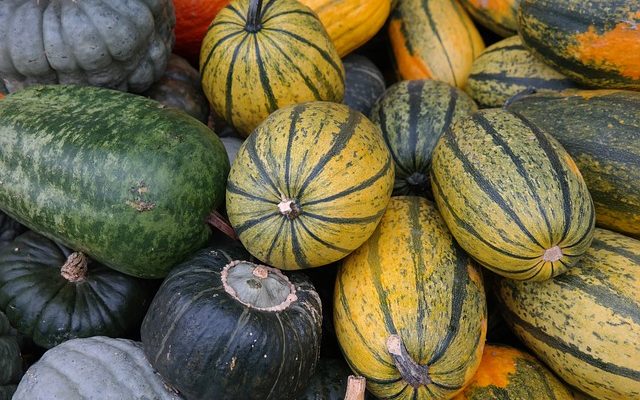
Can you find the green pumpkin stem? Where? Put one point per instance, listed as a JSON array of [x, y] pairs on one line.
[[75, 268], [253, 18], [356, 387], [414, 374]]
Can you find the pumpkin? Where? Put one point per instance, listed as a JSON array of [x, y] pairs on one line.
[[192, 20], [180, 88], [350, 23], [409, 307], [434, 39], [585, 324], [10, 359], [95, 368], [329, 382], [224, 328], [412, 116], [507, 68], [309, 185], [500, 16], [512, 196], [364, 83], [257, 58], [596, 44], [9, 229], [601, 131], [52, 294], [119, 45]]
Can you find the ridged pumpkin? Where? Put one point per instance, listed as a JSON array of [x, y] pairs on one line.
[[500, 16], [409, 307], [597, 43], [350, 23], [193, 17], [585, 324], [412, 116], [9, 229], [329, 382], [434, 39], [309, 185], [364, 83], [506, 373], [10, 359], [257, 58], [601, 131], [507, 68], [512, 196]]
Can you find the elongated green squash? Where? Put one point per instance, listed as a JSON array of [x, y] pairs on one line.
[[585, 324], [117, 176], [601, 131]]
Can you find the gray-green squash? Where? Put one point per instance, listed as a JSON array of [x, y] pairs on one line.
[[10, 359]]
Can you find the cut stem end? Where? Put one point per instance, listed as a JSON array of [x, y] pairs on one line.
[[414, 374], [75, 268], [356, 387], [553, 254]]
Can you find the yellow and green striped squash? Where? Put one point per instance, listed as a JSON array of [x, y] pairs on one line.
[[309, 185], [585, 324], [257, 58], [409, 306], [434, 39], [512, 196], [500, 16]]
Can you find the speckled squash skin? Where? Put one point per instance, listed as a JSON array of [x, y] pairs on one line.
[[507, 68], [411, 279], [10, 359], [585, 324], [512, 196], [412, 115], [119, 44], [364, 83], [500, 16], [595, 42]]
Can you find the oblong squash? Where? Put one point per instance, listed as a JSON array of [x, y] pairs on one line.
[[512, 196], [364, 83], [500, 16], [585, 324], [409, 306]]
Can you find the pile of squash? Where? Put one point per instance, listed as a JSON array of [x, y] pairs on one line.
[[256, 199]]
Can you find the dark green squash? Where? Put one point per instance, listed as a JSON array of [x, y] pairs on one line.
[[9, 229], [52, 294], [363, 83], [221, 329], [329, 382], [10, 360]]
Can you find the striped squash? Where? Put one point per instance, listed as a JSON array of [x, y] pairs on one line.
[[512, 196], [412, 116], [434, 39], [506, 373], [350, 23], [497, 15], [364, 83], [601, 131], [585, 324], [597, 43], [409, 307], [309, 185], [507, 68], [257, 58]]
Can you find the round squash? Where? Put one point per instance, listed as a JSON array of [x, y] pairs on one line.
[[500, 16], [193, 17], [329, 382], [585, 324], [512, 196], [10, 359], [9, 229], [507, 68], [257, 58], [95, 368], [409, 307], [309, 185], [220, 328], [595, 43], [412, 116], [52, 294], [434, 39], [507, 373], [364, 83], [115, 44]]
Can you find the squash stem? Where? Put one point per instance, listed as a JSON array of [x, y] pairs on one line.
[[356, 386], [253, 18], [75, 268], [413, 373], [216, 220]]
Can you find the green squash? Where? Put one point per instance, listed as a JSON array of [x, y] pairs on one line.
[[10, 359], [329, 382], [363, 83]]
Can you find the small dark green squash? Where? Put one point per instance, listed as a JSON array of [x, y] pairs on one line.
[[10, 359], [363, 84], [329, 382]]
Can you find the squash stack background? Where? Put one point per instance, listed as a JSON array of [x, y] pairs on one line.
[[257, 199]]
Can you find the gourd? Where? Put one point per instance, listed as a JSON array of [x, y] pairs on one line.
[[364, 83]]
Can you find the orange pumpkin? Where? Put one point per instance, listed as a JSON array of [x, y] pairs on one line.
[[192, 21]]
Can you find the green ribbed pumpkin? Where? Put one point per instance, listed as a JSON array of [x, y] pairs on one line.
[[9, 229], [10, 359], [409, 306], [412, 116], [512, 196]]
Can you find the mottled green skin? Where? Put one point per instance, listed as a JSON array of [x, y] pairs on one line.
[[116, 176], [10, 360]]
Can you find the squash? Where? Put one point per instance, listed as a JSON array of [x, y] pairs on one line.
[[412, 116], [10, 359], [409, 307], [507, 68], [257, 58], [180, 88], [119, 177], [364, 83], [585, 324], [500, 16], [350, 23], [507, 373], [329, 382], [596, 44], [222, 328], [9, 229], [95, 368], [115, 44], [192, 20], [601, 131], [434, 39], [309, 185]]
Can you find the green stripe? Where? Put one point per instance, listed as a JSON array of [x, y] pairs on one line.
[[263, 173], [322, 241], [532, 81], [506, 49], [301, 12], [229, 83], [240, 229], [225, 23], [295, 116], [414, 88], [276, 237], [373, 260], [231, 187], [434, 30], [215, 46], [382, 117], [352, 220], [264, 78], [419, 265], [238, 13], [266, 8], [296, 246], [598, 244]]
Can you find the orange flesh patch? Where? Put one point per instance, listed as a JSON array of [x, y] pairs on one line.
[[496, 366], [498, 8], [409, 66]]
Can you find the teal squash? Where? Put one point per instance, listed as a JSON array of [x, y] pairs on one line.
[[10, 359]]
